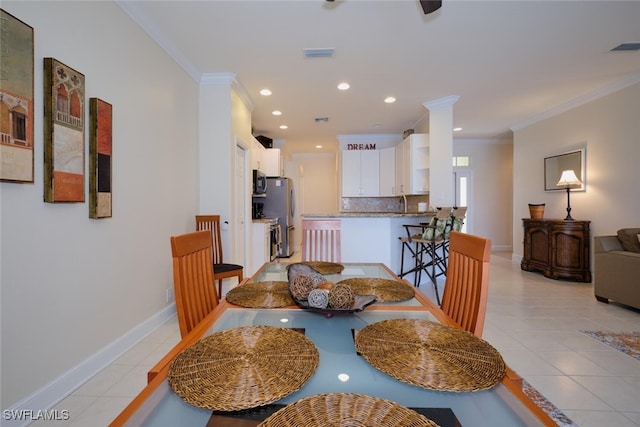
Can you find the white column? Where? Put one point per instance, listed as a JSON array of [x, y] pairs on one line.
[[441, 150]]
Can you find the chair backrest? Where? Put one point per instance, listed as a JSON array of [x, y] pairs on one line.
[[467, 283], [321, 240], [193, 283], [212, 224], [457, 217], [439, 227]]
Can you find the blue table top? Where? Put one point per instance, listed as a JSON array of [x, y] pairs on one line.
[[341, 369]]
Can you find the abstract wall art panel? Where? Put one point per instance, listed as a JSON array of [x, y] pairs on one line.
[[100, 148], [16, 100], [64, 106]]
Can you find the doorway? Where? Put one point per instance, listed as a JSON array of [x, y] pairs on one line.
[[462, 192]]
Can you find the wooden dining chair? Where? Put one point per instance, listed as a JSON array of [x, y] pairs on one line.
[[467, 283], [321, 240], [193, 283], [221, 270]]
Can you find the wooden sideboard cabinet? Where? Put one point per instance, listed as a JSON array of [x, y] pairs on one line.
[[558, 248]]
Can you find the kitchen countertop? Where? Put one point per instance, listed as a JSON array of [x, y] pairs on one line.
[[370, 214], [265, 220]]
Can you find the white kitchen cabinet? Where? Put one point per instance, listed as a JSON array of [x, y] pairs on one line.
[[272, 162], [412, 165], [261, 247], [360, 173], [257, 154], [387, 172]]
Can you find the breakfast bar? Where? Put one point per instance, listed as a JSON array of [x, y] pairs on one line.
[[373, 236]]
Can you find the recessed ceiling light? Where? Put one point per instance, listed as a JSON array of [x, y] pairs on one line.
[[265, 92], [344, 86], [457, 129], [389, 100], [284, 127], [276, 113], [318, 146]]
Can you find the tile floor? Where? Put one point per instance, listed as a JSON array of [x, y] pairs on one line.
[[533, 321]]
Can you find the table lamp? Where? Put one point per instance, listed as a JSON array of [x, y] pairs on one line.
[[569, 180]]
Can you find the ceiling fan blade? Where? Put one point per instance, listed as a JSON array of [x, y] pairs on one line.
[[429, 6]]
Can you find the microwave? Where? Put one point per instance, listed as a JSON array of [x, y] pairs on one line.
[[259, 182]]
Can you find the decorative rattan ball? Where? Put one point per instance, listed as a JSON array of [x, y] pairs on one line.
[[341, 296], [318, 298], [317, 278], [301, 286]]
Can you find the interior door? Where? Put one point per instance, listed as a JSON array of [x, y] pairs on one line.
[[241, 184], [462, 180]]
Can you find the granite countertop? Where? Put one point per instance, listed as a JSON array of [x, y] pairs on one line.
[[265, 220], [369, 214]]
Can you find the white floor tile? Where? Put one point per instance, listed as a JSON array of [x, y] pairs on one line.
[[615, 391], [565, 393], [599, 419]]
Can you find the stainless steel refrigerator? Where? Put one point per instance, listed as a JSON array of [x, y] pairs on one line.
[[279, 203]]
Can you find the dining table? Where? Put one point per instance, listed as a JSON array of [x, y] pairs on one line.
[[341, 369]]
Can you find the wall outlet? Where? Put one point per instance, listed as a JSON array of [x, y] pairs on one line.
[[169, 295]]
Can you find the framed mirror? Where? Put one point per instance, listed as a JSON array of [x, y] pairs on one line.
[[554, 165]]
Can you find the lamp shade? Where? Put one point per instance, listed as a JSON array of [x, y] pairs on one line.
[[568, 179]]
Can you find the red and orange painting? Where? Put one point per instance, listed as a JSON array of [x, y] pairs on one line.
[[63, 133], [100, 146], [16, 100]]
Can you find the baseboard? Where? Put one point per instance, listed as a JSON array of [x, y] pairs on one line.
[[25, 411], [503, 248], [516, 259]]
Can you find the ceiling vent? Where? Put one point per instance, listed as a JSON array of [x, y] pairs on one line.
[[322, 119], [319, 52], [627, 46]]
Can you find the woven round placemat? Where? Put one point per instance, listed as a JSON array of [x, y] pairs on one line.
[[324, 267], [346, 410], [242, 368], [386, 290], [269, 294], [431, 355]]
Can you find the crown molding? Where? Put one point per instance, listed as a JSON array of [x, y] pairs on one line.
[[442, 102], [133, 11], [580, 100], [228, 79]]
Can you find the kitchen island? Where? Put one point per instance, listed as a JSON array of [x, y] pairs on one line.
[[374, 236]]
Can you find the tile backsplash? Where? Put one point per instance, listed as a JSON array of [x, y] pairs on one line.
[[382, 204]]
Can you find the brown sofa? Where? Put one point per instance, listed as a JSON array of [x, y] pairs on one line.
[[617, 267]]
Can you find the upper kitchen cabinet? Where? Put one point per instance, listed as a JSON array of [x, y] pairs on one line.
[[412, 165], [272, 162], [257, 155], [387, 172], [360, 173]]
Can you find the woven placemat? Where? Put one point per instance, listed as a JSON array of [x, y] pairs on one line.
[[269, 294], [324, 267], [243, 368], [346, 410], [431, 355], [386, 290]]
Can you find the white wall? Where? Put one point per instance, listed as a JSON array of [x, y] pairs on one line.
[[609, 128], [70, 285], [491, 199]]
